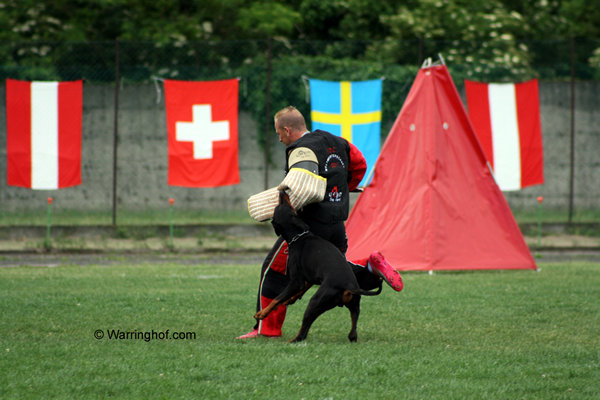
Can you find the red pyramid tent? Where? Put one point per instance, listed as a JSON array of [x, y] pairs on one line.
[[433, 203]]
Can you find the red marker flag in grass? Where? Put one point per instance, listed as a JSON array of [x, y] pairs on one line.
[[202, 129], [506, 118], [43, 133]]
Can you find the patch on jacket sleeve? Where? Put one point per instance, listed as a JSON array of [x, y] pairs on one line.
[[301, 154]]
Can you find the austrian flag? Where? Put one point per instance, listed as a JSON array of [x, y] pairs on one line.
[[506, 119], [202, 130], [43, 133]]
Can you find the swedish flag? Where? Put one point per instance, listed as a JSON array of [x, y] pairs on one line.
[[351, 110]]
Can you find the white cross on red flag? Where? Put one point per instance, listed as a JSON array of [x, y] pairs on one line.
[[202, 130]]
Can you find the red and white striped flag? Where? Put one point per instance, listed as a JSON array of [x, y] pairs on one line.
[[506, 119], [43, 133]]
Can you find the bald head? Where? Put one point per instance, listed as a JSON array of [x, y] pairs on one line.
[[289, 125], [290, 117]]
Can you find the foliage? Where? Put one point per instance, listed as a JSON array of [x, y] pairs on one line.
[[287, 87], [343, 20], [490, 40], [498, 24], [481, 37], [264, 19], [355, 40]]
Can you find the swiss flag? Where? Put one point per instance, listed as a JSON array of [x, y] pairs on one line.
[[202, 129], [43, 133], [506, 119]]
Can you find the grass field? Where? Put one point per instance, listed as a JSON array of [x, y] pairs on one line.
[[471, 335], [239, 216], [39, 217]]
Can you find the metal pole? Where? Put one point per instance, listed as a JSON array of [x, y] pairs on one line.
[[115, 134], [171, 243], [572, 161], [540, 212], [269, 124], [48, 223]]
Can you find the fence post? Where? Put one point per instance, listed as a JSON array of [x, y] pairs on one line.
[[171, 243], [115, 134], [540, 200], [47, 244], [268, 123], [572, 161]]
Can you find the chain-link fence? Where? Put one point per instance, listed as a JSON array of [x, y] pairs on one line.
[[139, 62], [270, 73]]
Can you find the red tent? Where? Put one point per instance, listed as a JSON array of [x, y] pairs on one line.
[[433, 203]]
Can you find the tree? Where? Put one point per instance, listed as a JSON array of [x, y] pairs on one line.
[[486, 39], [268, 18], [479, 36]]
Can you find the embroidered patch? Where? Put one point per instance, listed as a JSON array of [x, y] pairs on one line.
[[302, 154]]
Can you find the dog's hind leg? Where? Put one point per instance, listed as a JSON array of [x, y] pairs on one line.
[[354, 308], [323, 300], [347, 297]]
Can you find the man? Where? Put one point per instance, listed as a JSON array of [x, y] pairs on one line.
[[343, 166]]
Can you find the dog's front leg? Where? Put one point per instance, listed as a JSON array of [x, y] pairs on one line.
[[262, 314], [299, 295], [290, 290]]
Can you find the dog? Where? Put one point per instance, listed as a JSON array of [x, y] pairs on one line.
[[313, 260]]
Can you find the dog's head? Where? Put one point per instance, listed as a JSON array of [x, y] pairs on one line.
[[285, 221]]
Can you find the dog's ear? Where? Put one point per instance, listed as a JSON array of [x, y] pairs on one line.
[[276, 227], [284, 198], [276, 220]]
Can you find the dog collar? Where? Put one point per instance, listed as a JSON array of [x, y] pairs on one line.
[[298, 236]]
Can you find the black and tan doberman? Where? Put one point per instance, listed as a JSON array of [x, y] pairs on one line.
[[313, 260]]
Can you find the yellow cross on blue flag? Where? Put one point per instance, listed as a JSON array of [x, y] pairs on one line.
[[351, 110]]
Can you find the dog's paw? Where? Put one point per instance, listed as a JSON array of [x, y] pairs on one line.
[[299, 338], [259, 315]]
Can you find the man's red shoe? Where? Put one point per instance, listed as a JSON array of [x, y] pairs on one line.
[[254, 334], [250, 335], [380, 265]]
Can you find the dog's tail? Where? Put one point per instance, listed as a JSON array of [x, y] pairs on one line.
[[349, 294], [363, 292]]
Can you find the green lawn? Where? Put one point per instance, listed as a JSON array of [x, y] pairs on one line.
[[477, 335], [60, 216], [39, 217]]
